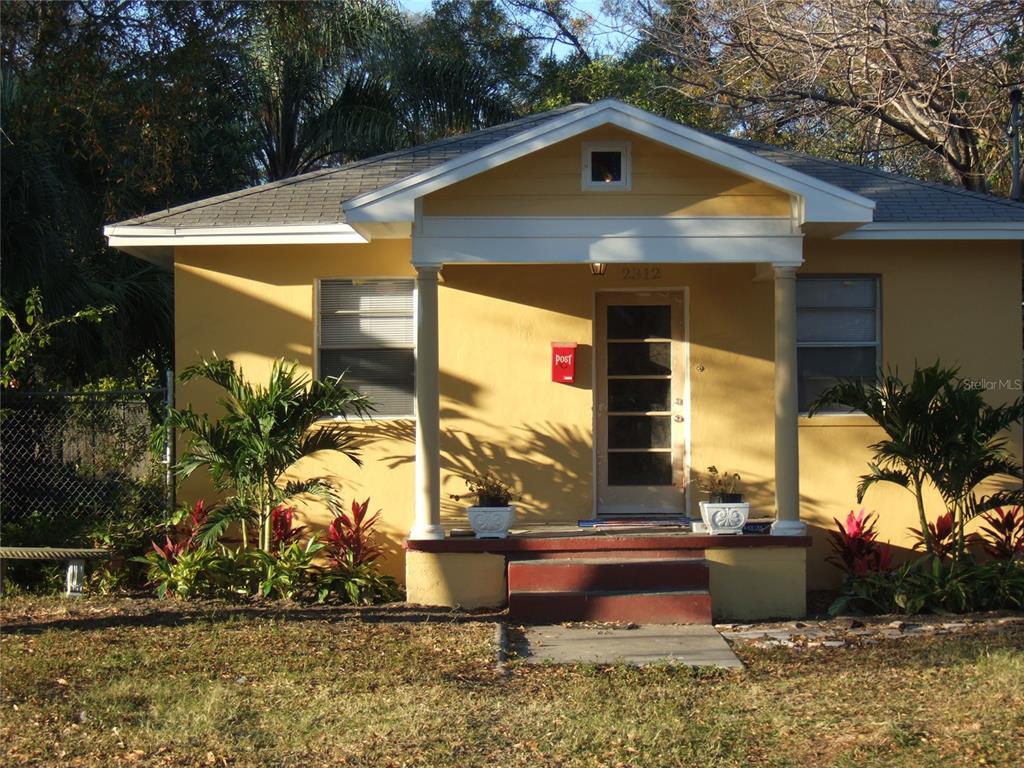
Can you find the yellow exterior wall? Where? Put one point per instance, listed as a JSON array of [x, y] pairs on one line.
[[253, 304], [756, 583], [665, 182], [456, 579], [954, 301], [501, 412]]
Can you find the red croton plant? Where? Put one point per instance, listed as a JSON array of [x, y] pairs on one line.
[[350, 540], [857, 550], [1003, 536], [283, 532], [186, 539], [942, 535]]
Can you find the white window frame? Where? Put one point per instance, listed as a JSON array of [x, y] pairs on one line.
[[622, 147], [318, 315], [877, 343]]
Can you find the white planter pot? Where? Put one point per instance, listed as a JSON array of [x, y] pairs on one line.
[[491, 522], [724, 518]]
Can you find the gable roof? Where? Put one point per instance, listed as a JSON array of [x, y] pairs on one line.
[[819, 202], [317, 198], [897, 198]]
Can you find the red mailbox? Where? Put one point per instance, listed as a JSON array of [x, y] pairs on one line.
[[563, 362]]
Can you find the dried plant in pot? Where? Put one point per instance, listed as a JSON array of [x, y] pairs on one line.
[[724, 512], [721, 488], [493, 513]]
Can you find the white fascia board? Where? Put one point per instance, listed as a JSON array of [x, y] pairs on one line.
[[821, 201], [598, 227], [780, 250], [141, 236], [1012, 230]]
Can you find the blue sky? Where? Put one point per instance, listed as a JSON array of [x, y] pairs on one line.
[[606, 37]]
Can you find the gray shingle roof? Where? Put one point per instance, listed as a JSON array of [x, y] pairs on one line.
[[897, 198], [317, 197]]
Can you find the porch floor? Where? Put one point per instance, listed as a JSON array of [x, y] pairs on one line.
[[571, 538]]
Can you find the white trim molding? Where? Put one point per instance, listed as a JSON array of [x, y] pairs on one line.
[[606, 226], [140, 235], [821, 202], [941, 230], [584, 240]]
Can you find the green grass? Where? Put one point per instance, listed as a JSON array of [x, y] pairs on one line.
[[212, 686]]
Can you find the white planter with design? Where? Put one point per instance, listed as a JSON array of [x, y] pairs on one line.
[[491, 522], [724, 518]]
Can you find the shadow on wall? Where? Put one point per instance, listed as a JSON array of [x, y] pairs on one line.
[[532, 456]]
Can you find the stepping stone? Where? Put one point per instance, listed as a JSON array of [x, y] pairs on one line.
[[695, 645]]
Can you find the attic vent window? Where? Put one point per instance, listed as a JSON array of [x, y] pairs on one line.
[[606, 166]]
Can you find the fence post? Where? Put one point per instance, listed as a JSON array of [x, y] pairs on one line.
[[169, 441]]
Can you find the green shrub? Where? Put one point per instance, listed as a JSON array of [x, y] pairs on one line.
[[288, 572], [357, 583], [930, 584], [236, 572], [188, 574]]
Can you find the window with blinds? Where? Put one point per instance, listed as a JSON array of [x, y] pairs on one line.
[[838, 332], [367, 333]]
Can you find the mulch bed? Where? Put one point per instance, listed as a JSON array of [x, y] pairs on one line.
[[859, 631]]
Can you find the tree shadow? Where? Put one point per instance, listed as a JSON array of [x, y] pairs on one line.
[[540, 461], [145, 615]]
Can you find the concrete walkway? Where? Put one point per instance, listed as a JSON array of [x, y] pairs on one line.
[[695, 645]]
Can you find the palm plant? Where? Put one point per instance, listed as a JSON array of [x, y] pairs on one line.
[[939, 432], [331, 82], [312, 101], [262, 433]]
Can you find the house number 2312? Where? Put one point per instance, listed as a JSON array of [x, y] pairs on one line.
[[641, 273]]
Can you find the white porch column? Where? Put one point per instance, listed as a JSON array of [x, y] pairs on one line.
[[787, 451], [427, 523]]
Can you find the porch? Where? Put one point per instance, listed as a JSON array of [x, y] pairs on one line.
[[550, 570], [722, 391], [550, 574], [692, 349]]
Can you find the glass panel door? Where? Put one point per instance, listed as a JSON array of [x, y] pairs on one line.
[[640, 404]]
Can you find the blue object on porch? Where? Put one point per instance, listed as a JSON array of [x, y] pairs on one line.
[[758, 528]]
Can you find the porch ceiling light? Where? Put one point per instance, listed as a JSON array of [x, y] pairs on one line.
[[597, 268]]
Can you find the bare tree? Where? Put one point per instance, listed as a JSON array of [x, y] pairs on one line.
[[930, 76], [553, 22]]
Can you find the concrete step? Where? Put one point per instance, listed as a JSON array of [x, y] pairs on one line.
[[666, 607], [588, 574]]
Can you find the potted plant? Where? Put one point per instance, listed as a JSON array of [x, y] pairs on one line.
[[724, 512], [493, 513]]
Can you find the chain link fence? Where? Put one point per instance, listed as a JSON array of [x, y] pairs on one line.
[[83, 457]]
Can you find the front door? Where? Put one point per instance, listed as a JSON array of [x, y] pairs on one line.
[[640, 404]]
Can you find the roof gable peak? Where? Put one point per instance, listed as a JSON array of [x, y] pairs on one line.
[[818, 201]]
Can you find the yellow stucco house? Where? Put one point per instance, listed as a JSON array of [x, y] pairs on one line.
[[711, 287]]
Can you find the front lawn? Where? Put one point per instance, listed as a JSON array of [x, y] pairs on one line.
[[344, 687]]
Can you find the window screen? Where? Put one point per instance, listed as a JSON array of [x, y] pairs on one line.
[[838, 334], [367, 333]]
